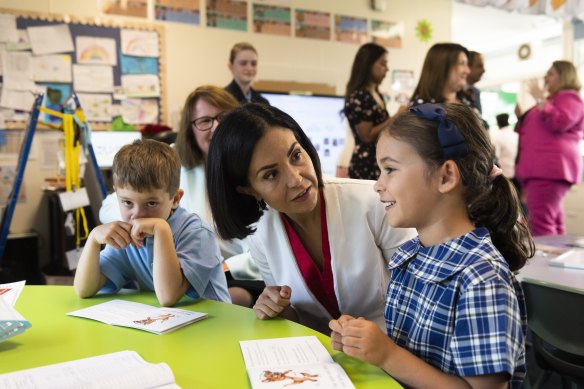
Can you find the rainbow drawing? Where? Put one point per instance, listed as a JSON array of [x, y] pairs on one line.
[[94, 54], [139, 47]]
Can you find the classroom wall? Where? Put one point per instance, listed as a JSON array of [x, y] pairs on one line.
[[196, 55]]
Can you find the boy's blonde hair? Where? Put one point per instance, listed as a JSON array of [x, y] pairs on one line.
[[145, 165]]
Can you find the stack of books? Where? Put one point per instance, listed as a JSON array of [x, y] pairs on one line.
[[11, 322]]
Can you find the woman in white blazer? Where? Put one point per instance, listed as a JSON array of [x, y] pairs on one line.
[[321, 245]]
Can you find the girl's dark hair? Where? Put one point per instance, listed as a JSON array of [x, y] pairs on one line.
[[493, 204], [230, 154], [362, 64], [440, 59]]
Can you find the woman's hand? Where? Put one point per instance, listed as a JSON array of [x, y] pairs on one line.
[[272, 302], [535, 90]]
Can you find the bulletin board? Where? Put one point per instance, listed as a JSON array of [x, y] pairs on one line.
[[132, 70]]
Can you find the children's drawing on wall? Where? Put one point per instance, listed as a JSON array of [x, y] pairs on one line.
[[387, 34], [96, 51], [140, 111], [55, 98], [137, 8], [228, 14], [7, 176], [139, 65], [269, 19], [350, 29], [96, 107], [22, 42], [402, 85], [313, 24], [180, 11], [139, 43], [52, 68]]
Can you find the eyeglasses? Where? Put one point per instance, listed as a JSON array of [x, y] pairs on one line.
[[205, 123]]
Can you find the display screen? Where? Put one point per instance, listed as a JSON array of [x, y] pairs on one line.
[[321, 119]]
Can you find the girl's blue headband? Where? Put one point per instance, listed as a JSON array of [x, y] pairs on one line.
[[450, 139]]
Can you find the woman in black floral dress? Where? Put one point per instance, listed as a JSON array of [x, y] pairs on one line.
[[365, 108]]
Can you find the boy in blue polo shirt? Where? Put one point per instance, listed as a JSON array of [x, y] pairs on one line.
[[158, 244]]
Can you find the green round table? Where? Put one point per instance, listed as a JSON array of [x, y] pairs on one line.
[[204, 354]]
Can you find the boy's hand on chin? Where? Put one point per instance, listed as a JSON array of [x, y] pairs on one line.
[[142, 228]]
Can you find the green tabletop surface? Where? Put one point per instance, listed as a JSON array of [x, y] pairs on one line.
[[205, 354]]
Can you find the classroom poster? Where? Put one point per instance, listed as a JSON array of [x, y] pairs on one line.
[[139, 43], [55, 99], [8, 32], [52, 68], [403, 84], [136, 8], [313, 24], [80, 57], [140, 111], [350, 29], [275, 2], [96, 107], [387, 34], [141, 85], [53, 39], [138, 65], [93, 78], [228, 14], [21, 100], [96, 51], [179, 11], [17, 70], [269, 19], [22, 42], [10, 142], [7, 177]]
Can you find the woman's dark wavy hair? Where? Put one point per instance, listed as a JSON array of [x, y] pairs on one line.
[[362, 65], [230, 153], [440, 59], [491, 204]]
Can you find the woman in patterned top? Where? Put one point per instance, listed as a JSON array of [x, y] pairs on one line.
[[365, 108], [455, 314], [443, 76]]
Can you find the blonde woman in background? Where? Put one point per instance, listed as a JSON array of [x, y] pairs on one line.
[[549, 161]]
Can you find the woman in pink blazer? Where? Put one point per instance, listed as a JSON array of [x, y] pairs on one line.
[[549, 160]]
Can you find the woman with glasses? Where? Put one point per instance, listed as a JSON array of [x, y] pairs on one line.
[[243, 63], [202, 111]]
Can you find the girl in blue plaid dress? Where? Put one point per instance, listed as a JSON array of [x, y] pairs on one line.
[[455, 313]]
